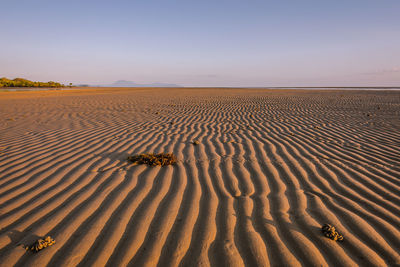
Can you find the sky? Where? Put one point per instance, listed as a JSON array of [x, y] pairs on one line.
[[203, 42]]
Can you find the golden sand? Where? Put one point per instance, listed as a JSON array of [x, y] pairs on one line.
[[269, 169]]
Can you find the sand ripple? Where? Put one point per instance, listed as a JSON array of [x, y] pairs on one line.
[[271, 168]]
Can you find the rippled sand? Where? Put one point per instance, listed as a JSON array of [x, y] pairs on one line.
[[271, 167]]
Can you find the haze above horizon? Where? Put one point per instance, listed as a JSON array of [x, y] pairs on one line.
[[203, 43]]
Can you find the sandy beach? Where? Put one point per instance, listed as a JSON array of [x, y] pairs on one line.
[[270, 168]]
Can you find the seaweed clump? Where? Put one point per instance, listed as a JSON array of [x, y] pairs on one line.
[[160, 159], [40, 244], [330, 232]]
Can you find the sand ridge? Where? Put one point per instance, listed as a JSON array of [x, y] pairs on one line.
[[271, 167]]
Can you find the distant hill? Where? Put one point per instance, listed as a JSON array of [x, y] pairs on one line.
[[123, 83], [20, 82]]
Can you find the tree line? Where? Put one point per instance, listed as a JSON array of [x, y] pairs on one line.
[[20, 82]]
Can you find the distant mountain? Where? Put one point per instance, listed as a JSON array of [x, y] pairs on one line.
[[123, 83]]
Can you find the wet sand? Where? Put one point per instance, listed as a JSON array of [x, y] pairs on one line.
[[271, 167]]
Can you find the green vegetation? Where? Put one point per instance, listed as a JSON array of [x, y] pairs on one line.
[[19, 82]]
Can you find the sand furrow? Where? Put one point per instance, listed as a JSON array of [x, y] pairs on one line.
[[269, 168]]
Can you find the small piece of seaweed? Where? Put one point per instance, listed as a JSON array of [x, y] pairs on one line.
[[160, 159], [330, 232], [40, 244]]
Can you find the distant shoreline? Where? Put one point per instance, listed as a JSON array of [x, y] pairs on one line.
[[374, 88]]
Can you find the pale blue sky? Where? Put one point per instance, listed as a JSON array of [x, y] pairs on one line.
[[203, 43]]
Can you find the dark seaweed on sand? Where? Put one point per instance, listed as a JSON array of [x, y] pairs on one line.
[[160, 159]]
